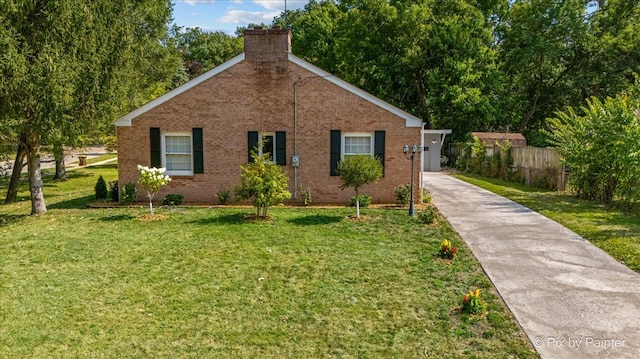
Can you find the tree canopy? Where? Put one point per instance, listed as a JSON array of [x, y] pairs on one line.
[[474, 65], [68, 67]]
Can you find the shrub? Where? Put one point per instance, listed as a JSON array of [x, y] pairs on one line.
[[172, 199], [264, 182], [129, 191], [223, 195], [306, 195], [101, 188], [403, 194], [428, 215], [471, 303], [364, 200], [113, 191], [599, 143], [426, 196]]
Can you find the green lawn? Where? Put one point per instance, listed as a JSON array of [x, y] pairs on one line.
[[205, 282], [614, 231]]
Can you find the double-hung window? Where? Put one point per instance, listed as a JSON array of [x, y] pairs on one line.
[[357, 144], [346, 144], [177, 154]]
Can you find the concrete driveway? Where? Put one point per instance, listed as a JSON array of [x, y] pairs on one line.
[[572, 299]]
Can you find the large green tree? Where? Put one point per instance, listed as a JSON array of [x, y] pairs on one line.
[[66, 65], [558, 53], [474, 65], [201, 51], [434, 59]]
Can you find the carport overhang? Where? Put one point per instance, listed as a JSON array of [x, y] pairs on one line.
[[443, 133]]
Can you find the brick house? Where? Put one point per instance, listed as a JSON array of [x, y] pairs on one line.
[[306, 118]]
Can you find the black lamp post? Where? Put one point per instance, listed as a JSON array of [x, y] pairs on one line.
[[413, 149]]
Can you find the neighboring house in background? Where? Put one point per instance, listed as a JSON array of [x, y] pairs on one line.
[[490, 139], [306, 118]]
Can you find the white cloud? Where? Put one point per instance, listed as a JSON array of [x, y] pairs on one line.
[[196, 2], [279, 4], [240, 17]]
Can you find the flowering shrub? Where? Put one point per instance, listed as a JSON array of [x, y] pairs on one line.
[[471, 303], [152, 179], [447, 250]]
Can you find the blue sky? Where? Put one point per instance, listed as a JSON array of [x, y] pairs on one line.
[[227, 15]]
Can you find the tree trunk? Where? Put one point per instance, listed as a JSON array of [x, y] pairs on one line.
[[12, 191], [61, 169], [36, 187]]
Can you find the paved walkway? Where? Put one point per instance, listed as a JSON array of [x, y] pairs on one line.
[[572, 299]]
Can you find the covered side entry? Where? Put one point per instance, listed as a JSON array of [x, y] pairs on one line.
[[432, 149]]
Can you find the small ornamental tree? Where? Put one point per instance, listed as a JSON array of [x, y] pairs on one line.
[[101, 188], [152, 179], [263, 181], [356, 171]]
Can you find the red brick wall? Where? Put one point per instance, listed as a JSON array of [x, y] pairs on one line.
[[247, 98]]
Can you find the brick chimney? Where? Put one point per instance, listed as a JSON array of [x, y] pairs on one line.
[[267, 45]]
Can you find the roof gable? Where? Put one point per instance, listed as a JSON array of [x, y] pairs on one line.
[[126, 119], [410, 120]]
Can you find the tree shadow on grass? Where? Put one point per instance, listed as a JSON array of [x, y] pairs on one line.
[[314, 220], [117, 218], [74, 203], [11, 218], [227, 219]]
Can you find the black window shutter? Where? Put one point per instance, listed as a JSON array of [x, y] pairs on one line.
[[156, 147], [198, 150], [378, 147], [336, 144], [281, 147], [253, 142]]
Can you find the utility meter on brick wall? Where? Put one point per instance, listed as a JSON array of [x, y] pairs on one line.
[[295, 161]]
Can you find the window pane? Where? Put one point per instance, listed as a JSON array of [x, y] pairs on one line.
[[178, 162], [354, 145], [178, 144]]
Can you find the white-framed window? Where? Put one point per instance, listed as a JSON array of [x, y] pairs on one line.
[[357, 144], [177, 154]]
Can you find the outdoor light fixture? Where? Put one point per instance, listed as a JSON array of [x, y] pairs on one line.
[[411, 150]]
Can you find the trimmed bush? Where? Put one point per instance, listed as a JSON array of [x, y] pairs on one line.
[[129, 191], [363, 198], [428, 215], [101, 188], [403, 194], [172, 199], [113, 191]]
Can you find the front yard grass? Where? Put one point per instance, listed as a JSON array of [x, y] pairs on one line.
[[205, 282], [614, 231]]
